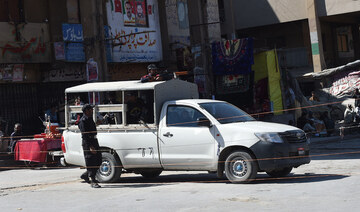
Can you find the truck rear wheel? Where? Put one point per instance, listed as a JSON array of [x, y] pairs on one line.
[[150, 173], [110, 169], [240, 167], [279, 172]]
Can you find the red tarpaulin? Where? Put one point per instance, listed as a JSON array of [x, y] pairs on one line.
[[35, 149]]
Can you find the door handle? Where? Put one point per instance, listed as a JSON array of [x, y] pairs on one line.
[[168, 134]]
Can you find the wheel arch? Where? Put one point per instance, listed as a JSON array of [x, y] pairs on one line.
[[111, 151], [227, 151]]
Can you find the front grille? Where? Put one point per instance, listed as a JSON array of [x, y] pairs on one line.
[[294, 136]]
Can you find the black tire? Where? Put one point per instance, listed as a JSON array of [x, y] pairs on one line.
[[279, 172], [110, 169], [150, 173], [240, 167]]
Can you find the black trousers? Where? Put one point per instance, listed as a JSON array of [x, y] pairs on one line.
[[93, 162]]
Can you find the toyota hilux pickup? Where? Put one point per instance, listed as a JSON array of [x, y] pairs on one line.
[[180, 133]]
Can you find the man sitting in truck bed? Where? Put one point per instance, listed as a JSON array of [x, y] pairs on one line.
[[135, 108]]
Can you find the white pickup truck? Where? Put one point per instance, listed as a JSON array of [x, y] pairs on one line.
[[183, 133]]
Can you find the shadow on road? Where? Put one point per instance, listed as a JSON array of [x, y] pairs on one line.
[[297, 178], [139, 182], [335, 154]]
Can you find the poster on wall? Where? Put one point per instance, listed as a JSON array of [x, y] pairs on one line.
[[135, 13], [18, 73], [6, 72], [59, 51], [135, 32], [92, 70]]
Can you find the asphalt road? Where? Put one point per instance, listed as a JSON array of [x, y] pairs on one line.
[[331, 182]]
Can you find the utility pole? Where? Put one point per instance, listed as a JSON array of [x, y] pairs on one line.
[[92, 20], [199, 36]]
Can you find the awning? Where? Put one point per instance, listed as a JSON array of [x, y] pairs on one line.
[[331, 71]]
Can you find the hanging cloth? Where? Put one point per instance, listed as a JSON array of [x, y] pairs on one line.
[[232, 56]]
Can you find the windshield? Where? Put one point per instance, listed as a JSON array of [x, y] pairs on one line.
[[226, 113]]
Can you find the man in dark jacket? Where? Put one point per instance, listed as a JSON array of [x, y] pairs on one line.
[[152, 74], [15, 136], [90, 146]]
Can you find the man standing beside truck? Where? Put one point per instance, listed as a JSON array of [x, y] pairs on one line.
[[90, 146]]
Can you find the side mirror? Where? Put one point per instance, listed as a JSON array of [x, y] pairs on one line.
[[203, 122]]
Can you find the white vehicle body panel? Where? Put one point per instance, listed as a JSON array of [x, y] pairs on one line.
[[243, 133]]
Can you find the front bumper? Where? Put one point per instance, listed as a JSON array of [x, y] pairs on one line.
[[271, 156]]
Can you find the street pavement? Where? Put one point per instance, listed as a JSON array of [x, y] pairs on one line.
[[329, 183]]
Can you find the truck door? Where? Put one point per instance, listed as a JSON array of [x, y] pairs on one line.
[[184, 145]]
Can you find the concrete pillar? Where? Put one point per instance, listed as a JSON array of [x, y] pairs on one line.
[[164, 32], [315, 37], [92, 20], [204, 28]]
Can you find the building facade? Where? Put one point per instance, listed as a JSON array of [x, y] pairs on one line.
[[313, 34]]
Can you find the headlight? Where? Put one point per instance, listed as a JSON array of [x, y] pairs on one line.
[[269, 137]]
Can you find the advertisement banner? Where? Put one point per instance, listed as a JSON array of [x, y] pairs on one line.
[[73, 37], [136, 31], [74, 48]]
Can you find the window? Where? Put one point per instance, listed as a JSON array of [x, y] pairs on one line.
[[182, 116], [226, 113]]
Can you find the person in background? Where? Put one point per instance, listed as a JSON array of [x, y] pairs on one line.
[[78, 101], [152, 74], [329, 124], [349, 115], [52, 113], [15, 136], [304, 123], [356, 96], [317, 123], [76, 116], [135, 108], [357, 114], [314, 97], [90, 144]]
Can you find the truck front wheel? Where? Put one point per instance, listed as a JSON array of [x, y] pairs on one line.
[[110, 169], [240, 167]]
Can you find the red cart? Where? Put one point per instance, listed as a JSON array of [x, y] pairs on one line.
[[36, 150]]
